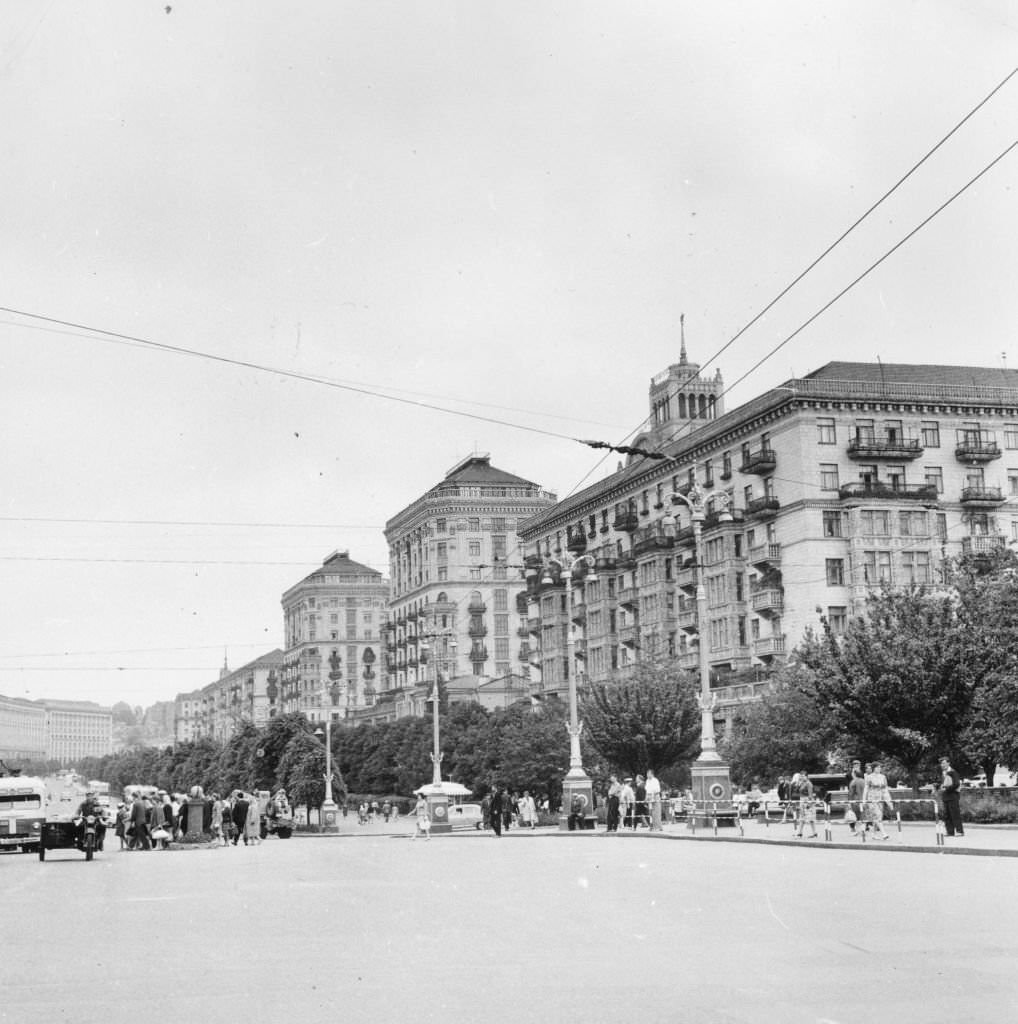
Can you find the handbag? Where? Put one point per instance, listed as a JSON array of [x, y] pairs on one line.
[[160, 833], [850, 817]]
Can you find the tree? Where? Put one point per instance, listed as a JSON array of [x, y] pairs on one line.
[[898, 680], [302, 771], [527, 749], [783, 732], [274, 739], [648, 719]]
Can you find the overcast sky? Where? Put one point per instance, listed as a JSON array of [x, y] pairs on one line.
[[501, 208]]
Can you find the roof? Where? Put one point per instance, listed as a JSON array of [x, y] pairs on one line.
[[477, 469], [917, 373], [342, 564]]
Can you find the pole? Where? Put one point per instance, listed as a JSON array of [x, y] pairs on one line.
[[708, 743]]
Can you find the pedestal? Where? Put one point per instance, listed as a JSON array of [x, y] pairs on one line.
[[438, 812], [329, 817], [577, 784], [712, 792]]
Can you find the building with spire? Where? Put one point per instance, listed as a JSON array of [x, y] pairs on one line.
[[455, 565], [815, 493]]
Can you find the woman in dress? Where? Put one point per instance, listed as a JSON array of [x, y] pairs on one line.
[[875, 796], [253, 824], [807, 814], [528, 810], [423, 823]]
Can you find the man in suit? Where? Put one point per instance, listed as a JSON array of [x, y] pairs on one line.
[[239, 814], [497, 808], [950, 794]]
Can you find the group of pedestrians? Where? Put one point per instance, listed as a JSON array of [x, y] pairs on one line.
[[149, 822], [634, 803]]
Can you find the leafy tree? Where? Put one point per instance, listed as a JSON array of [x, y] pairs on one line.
[[273, 741], [649, 719], [898, 680], [238, 762], [527, 749], [302, 772], [783, 732]]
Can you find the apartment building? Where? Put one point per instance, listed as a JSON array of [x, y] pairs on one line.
[[76, 729], [814, 493], [455, 565], [247, 694], [23, 735], [332, 624]]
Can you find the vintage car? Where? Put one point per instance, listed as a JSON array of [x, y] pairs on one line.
[[466, 816]]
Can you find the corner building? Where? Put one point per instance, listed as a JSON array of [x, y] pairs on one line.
[[455, 565], [332, 624], [837, 483]]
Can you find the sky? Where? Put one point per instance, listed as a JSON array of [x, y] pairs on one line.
[[499, 209]]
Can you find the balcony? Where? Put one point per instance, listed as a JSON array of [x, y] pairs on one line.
[[580, 648], [976, 450], [768, 602], [686, 537], [763, 460], [686, 576], [884, 446], [626, 521], [577, 542], [872, 490], [687, 620], [987, 545], [763, 508], [477, 629], [478, 653], [981, 497], [629, 635], [626, 563], [579, 615], [524, 654], [769, 646], [534, 626], [477, 608], [689, 660], [651, 538], [523, 632], [522, 601], [765, 554], [628, 598]]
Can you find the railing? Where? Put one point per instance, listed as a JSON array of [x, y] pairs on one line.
[[950, 393], [983, 545], [891, 446], [769, 552], [629, 596], [763, 460], [982, 495], [770, 599], [977, 451], [905, 492], [768, 646], [762, 506]]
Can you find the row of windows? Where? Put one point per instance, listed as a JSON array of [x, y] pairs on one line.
[[878, 567], [498, 525], [892, 431]]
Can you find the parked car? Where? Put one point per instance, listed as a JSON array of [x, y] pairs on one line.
[[466, 816]]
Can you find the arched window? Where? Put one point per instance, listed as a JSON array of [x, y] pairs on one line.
[[682, 406], [703, 407]]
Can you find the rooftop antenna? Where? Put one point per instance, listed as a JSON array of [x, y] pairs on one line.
[[682, 336]]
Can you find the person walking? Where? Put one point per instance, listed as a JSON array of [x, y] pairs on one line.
[[642, 819], [614, 793], [139, 825], [627, 801], [253, 822], [496, 808], [422, 826], [239, 816], [856, 787], [528, 810], [875, 797], [807, 814], [653, 791], [950, 795]]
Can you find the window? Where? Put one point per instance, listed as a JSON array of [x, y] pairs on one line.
[[979, 524], [894, 432], [915, 567], [498, 524], [876, 567], [474, 549], [941, 526], [726, 466], [441, 551], [474, 525], [501, 648], [832, 524], [864, 431], [708, 473], [440, 526], [498, 547], [443, 573], [502, 625], [1011, 435], [747, 493], [828, 476], [868, 475], [934, 476], [875, 522], [475, 574], [501, 600], [931, 434], [826, 433], [895, 477], [913, 524], [835, 572], [837, 619]]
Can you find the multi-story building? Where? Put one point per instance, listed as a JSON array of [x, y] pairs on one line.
[[834, 484], [332, 624], [455, 562], [22, 731], [77, 729], [247, 694]]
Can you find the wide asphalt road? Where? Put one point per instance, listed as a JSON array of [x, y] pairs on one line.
[[544, 927]]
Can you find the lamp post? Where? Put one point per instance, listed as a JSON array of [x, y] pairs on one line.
[[329, 816], [436, 796], [576, 784], [712, 784]]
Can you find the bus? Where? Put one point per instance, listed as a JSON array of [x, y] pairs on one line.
[[22, 811]]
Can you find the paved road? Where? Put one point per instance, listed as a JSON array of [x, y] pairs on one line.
[[530, 928]]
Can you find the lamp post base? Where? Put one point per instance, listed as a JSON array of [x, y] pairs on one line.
[[438, 812], [712, 792], [577, 785], [328, 817]]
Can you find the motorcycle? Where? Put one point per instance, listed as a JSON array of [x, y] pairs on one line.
[[84, 833]]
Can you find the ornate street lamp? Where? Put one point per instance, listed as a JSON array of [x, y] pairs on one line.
[[435, 794], [712, 784], [576, 782]]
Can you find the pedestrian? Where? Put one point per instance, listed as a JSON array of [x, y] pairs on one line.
[[856, 787], [486, 811], [950, 795], [239, 815], [508, 809], [253, 822], [784, 795], [528, 810], [139, 824], [807, 814], [614, 792], [653, 793], [123, 820], [875, 797], [642, 819], [386, 811], [627, 801], [423, 824], [496, 808]]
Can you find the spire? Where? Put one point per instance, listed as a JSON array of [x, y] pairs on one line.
[[225, 670], [682, 334]]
